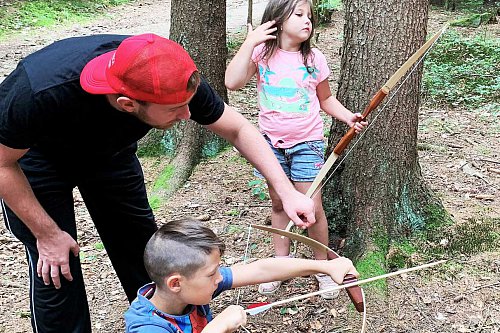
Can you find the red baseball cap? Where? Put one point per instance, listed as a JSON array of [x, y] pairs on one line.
[[145, 67]]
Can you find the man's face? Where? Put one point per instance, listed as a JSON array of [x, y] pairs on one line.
[[163, 116]]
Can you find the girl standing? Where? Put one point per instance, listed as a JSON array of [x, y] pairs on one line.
[[292, 87]]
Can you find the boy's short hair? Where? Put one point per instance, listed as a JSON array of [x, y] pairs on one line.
[[179, 246]]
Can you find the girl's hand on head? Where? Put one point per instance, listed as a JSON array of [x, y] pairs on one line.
[[357, 123], [261, 34]]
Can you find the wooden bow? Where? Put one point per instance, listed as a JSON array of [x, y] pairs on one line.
[[374, 102]]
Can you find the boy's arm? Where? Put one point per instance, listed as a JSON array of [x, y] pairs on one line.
[[334, 108], [279, 269], [241, 68]]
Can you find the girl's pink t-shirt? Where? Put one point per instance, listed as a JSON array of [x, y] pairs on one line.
[[289, 107]]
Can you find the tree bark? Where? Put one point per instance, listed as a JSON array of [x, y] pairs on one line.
[[200, 27], [250, 12], [378, 193]]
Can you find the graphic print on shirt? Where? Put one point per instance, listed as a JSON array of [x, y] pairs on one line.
[[286, 95]]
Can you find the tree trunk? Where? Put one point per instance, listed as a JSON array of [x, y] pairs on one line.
[[200, 27], [378, 193], [250, 12]]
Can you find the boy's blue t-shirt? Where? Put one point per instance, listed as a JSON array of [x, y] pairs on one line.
[[142, 316]]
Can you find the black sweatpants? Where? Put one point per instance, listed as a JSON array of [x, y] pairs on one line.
[[114, 192]]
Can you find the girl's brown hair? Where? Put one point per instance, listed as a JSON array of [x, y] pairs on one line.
[[280, 11]]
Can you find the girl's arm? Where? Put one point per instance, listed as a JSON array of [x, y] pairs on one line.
[[241, 68], [279, 269], [333, 107]]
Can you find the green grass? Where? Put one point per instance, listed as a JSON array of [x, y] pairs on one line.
[[32, 14]]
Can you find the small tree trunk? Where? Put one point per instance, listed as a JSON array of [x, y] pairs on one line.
[[250, 12], [200, 27]]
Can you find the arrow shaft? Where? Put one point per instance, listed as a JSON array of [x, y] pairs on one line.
[[348, 285]]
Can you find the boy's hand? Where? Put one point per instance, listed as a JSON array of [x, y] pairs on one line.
[[229, 320], [356, 122], [338, 268], [261, 34]]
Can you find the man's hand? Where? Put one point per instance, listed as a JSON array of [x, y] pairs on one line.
[[299, 208], [53, 257]]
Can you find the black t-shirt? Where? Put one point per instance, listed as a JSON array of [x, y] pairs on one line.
[[43, 106]]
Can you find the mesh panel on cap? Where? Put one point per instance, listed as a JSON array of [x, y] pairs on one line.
[[138, 75]]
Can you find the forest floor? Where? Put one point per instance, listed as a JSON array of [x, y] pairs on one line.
[[460, 163]]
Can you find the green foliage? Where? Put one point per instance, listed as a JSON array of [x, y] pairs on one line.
[[436, 217], [259, 189], [399, 254], [325, 8], [232, 212], [463, 5], [234, 42], [472, 236], [44, 13], [234, 229], [473, 20], [99, 246], [23, 314], [463, 71]]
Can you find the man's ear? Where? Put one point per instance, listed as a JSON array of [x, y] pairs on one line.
[[173, 282], [127, 104]]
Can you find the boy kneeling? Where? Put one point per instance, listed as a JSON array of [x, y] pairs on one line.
[[183, 260]]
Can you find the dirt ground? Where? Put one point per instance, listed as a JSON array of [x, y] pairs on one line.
[[460, 163]]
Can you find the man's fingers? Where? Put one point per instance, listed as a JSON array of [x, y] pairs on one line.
[[66, 272], [46, 273], [54, 275], [75, 249], [39, 266], [309, 219]]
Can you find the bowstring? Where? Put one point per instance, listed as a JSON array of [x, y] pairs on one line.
[[415, 66], [245, 258]]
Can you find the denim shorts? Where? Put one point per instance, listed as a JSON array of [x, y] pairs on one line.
[[301, 162]]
